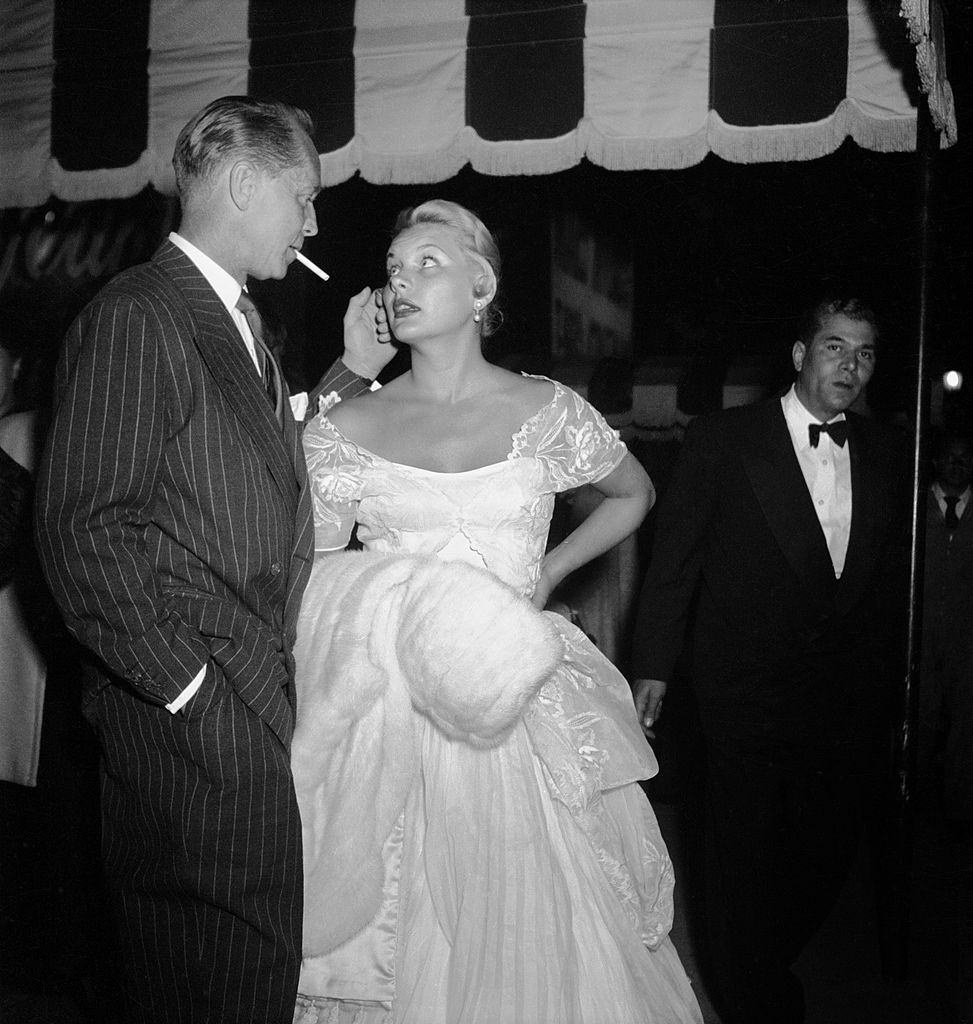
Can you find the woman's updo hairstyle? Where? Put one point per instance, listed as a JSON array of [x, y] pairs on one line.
[[474, 239]]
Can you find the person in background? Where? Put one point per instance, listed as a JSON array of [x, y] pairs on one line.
[[22, 668], [946, 688], [785, 522], [56, 933], [173, 522], [947, 598]]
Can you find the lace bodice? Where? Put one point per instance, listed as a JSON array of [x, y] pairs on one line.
[[496, 517]]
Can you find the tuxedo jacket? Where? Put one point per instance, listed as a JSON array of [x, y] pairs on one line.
[[777, 641], [948, 587], [173, 514]]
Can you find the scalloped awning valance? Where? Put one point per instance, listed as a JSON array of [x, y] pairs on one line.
[[92, 95]]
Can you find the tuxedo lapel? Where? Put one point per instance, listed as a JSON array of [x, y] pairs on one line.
[[865, 491], [222, 350], [781, 491]]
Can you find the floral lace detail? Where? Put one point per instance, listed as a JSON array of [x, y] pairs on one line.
[[334, 467], [648, 901], [496, 517], [571, 438], [574, 725], [328, 402], [339, 1011]]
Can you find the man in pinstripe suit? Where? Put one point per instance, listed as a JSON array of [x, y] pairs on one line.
[[175, 529]]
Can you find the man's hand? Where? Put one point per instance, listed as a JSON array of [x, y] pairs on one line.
[[648, 695], [368, 345]]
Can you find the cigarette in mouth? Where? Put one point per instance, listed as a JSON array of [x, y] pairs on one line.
[[313, 267]]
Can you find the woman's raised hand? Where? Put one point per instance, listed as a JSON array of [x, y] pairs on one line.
[[367, 336]]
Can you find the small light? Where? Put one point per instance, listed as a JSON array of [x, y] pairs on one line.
[[49, 218], [952, 380]]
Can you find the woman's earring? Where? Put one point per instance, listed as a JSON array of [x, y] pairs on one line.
[[476, 311]]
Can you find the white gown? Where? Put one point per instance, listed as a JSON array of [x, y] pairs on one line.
[[525, 883]]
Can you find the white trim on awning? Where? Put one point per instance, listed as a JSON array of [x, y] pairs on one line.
[[638, 79]]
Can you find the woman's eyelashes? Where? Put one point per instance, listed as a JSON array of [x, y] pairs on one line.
[[423, 263]]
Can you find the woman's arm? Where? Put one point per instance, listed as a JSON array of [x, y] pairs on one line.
[[629, 495]]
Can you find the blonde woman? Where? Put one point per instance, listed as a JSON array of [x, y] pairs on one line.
[[477, 847]]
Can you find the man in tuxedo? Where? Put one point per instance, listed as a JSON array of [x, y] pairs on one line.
[[946, 694], [945, 748], [175, 527], [782, 527]]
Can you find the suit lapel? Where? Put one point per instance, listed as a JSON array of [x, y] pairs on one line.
[[222, 350], [781, 490], [865, 490]]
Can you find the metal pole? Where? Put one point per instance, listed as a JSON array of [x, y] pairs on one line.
[[904, 765]]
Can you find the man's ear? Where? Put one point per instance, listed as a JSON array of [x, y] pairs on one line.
[[798, 352], [243, 181]]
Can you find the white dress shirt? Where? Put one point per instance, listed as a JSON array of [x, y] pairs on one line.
[[225, 287], [228, 292], [940, 495], [827, 473]]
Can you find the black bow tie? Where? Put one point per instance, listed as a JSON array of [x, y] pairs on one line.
[[838, 431]]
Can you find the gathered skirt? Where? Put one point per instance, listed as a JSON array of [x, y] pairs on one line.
[[525, 883]]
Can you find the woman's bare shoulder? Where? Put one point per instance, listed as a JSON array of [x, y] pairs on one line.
[[525, 395], [357, 418]]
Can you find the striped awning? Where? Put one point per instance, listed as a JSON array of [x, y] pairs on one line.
[[92, 94]]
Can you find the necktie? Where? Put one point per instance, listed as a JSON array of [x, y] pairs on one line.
[[269, 373], [838, 430], [952, 519]]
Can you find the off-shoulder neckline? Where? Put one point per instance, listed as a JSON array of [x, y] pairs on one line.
[[519, 432]]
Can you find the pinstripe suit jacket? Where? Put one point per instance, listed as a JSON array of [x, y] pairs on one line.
[[174, 520]]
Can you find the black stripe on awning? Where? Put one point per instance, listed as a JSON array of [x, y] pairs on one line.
[[100, 94], [524, 68], [304, 54], [776, 62]]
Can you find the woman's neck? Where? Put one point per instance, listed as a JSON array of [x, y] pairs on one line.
[[450, 377]]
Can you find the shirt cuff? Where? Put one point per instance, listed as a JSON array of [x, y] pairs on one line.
[[191, 689]]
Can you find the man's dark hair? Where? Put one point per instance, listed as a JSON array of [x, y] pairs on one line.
[[943, 440], [830, 304], [232, 127]]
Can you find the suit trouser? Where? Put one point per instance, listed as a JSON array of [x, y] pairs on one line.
[[202, 848], [782, 834]]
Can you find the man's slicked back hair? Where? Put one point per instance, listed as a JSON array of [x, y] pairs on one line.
[[267, 132]]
